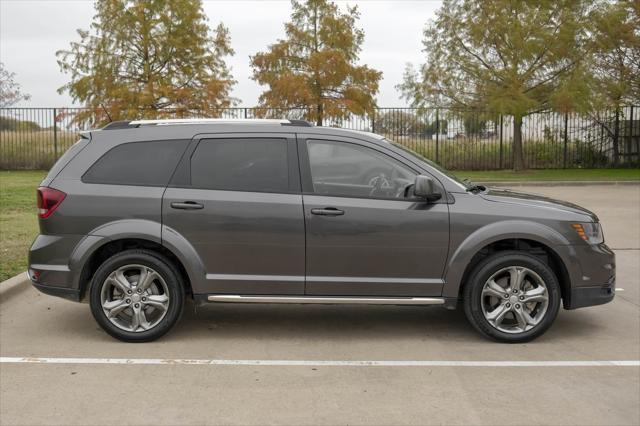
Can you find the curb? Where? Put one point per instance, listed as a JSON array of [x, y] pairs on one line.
[[562, 183], [13, 285]]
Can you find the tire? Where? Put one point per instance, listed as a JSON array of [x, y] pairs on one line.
[[137, 316], [505, 318]]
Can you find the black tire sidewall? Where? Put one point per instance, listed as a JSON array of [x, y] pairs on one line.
[[472, 294], [161, 265]]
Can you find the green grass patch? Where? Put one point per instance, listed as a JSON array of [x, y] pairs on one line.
[[18, 219], [551, 175]]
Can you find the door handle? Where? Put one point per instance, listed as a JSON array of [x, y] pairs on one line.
[[327, 211], [187, 205]]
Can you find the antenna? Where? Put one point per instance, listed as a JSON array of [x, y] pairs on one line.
[[106, 112]]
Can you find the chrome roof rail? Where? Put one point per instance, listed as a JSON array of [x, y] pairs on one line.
[[177, 121]]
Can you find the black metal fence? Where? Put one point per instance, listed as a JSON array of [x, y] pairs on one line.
[[33, 138]]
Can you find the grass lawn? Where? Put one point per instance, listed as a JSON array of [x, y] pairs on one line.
[[19, 223], [550, 175], [18, 219]]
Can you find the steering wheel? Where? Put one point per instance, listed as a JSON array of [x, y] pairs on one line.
[[380, 183]]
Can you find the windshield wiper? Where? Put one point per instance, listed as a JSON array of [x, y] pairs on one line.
[[472, 187]]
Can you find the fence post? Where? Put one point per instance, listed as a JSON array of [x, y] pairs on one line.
[[630, 139], [55, 135], [501, 152], [245, 113], [438, 135], [373, 121], [616, 135], [566, 138]]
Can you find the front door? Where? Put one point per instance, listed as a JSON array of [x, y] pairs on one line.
[[364, 236], [237, 201]]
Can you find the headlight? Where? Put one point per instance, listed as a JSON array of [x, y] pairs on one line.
[[591, 232]]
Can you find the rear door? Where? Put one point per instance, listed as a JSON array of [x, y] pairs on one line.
[[237, 200], [364, 236]]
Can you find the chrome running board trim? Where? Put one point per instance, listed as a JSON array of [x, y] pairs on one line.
[[326, 300]]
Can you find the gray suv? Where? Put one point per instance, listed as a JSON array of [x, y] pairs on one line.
[[141, 215]]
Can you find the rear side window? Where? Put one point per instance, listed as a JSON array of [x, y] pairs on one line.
[[255, 164], [137, 163], [66, 158]]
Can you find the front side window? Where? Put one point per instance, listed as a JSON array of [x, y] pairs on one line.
[[137, 163], [255, 164], [345, 169]]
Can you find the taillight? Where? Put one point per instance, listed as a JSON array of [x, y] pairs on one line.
[[48, 201]]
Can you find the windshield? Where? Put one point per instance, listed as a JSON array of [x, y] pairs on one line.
[[442, 170]]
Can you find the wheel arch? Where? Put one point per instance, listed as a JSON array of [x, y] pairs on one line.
[[109, 247], [532, 237]]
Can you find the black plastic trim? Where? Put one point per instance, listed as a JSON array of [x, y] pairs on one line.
[[298, 123], [66, 293], [582, 297], [116, 125]]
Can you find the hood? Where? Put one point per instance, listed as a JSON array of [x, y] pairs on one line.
[[532, 200]]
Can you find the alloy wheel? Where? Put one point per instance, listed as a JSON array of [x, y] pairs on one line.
[[514, 299], [135, 298]]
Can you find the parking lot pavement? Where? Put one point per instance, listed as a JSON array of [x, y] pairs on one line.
[[36, 325]]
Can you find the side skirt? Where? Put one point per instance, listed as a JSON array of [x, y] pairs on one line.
[[232, 298]]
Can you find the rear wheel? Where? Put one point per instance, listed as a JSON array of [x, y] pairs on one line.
[[512, 297], [136, 296]]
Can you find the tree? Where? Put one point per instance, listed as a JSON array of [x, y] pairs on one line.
[[398, 123], [315, 65], [10, 91], [148, 59], [514, 57], [616, 59]]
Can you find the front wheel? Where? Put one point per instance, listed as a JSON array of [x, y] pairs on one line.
[[136, 296], [512, 297]]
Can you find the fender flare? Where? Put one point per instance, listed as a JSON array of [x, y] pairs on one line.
[[139, 229], [503, 230], [173, 241]]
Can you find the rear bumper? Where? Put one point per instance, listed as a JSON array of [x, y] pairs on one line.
[[65, 293], [56, 263]]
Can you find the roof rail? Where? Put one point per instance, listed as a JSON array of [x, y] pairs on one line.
[[301, 123], [115, 125], [173, 121], [118, 125]]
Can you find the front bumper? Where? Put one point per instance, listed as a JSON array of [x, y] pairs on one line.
[[591, 296], [592, 273]]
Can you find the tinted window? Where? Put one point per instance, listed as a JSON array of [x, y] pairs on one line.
[[137, 163], [241, 165], [66, 157], [339, 168]]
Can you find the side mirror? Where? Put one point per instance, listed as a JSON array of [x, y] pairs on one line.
[[424, 187]]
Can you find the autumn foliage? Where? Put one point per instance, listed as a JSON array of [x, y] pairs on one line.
[[514, 57], [315, 65], [148, 59]]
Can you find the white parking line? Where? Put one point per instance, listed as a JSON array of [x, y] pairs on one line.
[[317, 363]]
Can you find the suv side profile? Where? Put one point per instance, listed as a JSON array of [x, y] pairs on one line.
[[139, 216]]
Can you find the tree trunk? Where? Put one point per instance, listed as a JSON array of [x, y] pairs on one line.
[[319, 117], [518, 155], [616, 137]]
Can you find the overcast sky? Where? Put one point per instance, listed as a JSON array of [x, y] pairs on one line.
[[31, 31]]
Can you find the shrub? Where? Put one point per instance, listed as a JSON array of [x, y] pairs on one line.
[[8, 123]]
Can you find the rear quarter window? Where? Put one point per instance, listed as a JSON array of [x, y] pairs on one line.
[[137, 163], [66, 159]]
